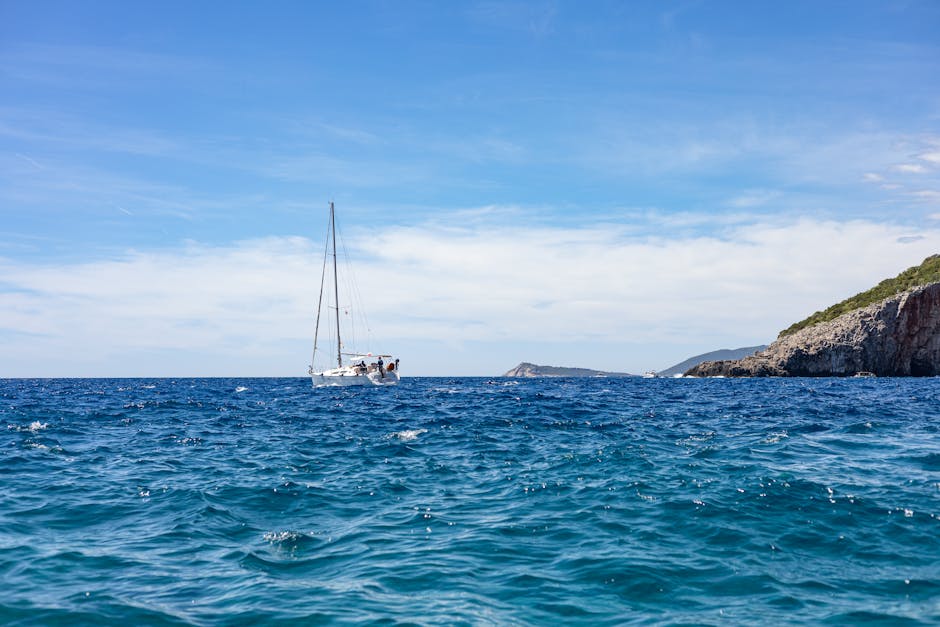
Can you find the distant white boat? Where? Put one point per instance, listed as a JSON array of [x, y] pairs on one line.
[[360, 368], [649, 374]]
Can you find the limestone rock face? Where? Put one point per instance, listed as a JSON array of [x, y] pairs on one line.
[[900, 336]]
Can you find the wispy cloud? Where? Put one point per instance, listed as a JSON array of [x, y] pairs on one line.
[[334, 171], [789, 156], [535, 18], [50, 129], [754, 198], [30, 161], [87, 67], [61, 183], [910, 168]]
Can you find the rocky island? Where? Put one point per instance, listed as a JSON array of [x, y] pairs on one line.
[[892, 329], [723, 354], [527, 370]]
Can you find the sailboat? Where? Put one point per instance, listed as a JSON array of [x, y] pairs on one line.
[[348, 368]]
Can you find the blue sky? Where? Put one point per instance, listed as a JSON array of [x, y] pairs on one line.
[[606, 184]]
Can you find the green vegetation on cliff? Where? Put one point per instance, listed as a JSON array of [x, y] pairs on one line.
[[927, 272]]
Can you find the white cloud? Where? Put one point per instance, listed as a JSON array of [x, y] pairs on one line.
[[910, 168], [188, 301], [931, 157], [873, 177], [754, 198], [928, 195], [248, 308]]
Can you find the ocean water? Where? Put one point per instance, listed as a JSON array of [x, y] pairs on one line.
[[470, 502]]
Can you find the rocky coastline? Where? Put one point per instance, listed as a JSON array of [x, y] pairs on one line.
[[896, 337]]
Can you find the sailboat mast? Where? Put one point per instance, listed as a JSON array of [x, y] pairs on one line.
[[339, 343]]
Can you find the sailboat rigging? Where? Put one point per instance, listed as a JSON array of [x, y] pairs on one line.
[[365, 368]]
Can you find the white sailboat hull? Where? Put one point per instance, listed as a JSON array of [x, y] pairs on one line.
[[343, 377]]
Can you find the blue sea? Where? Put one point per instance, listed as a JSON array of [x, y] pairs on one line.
[[469, 501]]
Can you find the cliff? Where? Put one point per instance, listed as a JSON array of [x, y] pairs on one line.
[[897, 336], [528, 370]]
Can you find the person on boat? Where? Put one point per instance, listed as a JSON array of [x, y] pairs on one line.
[[381, 367]]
